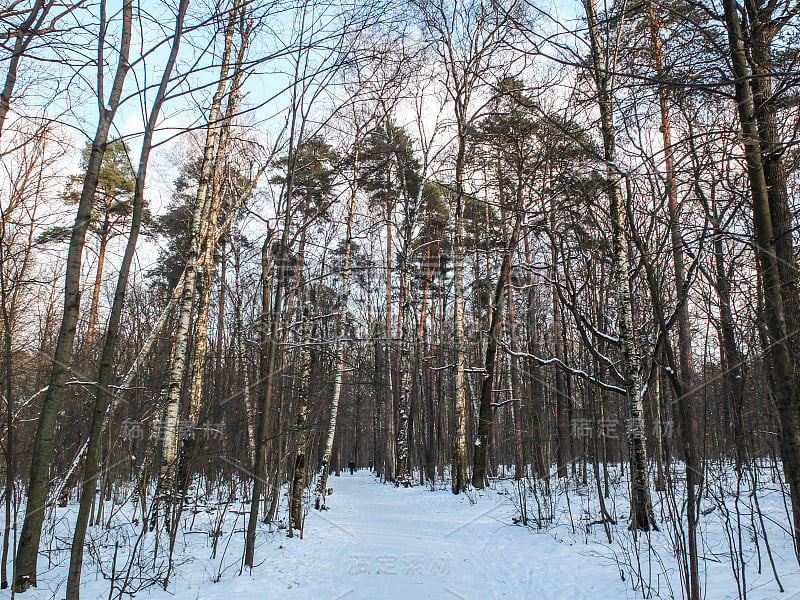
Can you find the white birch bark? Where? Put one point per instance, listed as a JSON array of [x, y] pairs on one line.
[[210, 237], [172, 409], [339, 359], [459, 475], [641, 506]]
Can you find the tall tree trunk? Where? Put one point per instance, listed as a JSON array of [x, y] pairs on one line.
[[219, 346], [641, 505], [564, 445], [169, 448], [787, 395], [403, 469], [459, 463], [388, 407], [428, 427], [301, 437], [339, 350], [241, 356], [411, 206], [39, 483], [271, 305], [377, 423], [428, 420], [541, 455], [688, 398], [763, 26], [94, 308], [188, 442], [732, 359], [271, 310], [8, 391], [486, 411], [210, 235], [106, 370], [516, 404], [482, 29]]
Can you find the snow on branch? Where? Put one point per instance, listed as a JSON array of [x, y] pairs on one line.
[[560, 364]]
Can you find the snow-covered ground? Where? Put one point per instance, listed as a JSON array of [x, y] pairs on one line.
[[378, 541]]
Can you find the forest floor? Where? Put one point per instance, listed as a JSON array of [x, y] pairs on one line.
[[378, 541]]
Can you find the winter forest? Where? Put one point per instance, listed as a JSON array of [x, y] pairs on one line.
[[400, 299]]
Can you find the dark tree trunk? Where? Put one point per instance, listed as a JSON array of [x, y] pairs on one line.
[[106, 371], [787, 394], [486, 411], [688, 398], [301, 438], [39, 483]]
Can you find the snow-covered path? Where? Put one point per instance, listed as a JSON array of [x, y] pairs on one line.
[[377, 541], [380, 542]]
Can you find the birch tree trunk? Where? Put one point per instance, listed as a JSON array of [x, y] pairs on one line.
[[106, 371], [388, 407], [169, 450], [459, 474], [339, 355], [411, 207], [210, 236], [403, 470], [465, 37], [39, 483], [641, 505]]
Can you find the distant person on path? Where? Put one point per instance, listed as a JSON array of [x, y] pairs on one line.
[[352, 466]]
